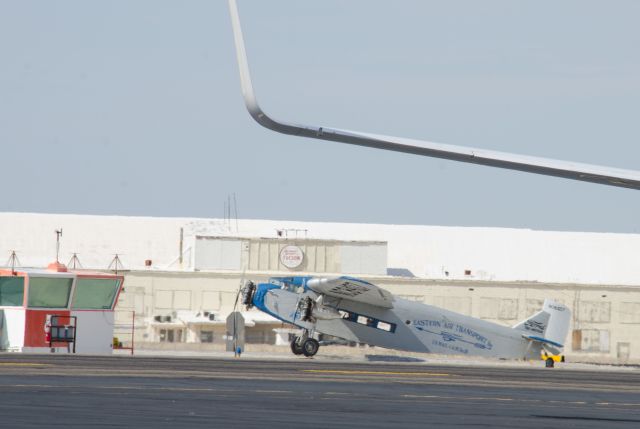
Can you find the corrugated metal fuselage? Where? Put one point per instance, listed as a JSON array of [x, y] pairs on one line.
[[409, 326]]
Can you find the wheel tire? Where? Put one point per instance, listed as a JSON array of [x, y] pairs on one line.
[[310, 347], [549, 363], [295, 348]]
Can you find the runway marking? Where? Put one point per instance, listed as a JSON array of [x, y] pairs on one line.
[[349, 372], [423, 396], [45, 386], [336, 395], [32, 364], [488, 398], [150, 388]]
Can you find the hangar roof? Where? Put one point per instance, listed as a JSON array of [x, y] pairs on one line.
[[501, 254]]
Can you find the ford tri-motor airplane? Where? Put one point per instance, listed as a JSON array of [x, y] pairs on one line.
[[356, 310]]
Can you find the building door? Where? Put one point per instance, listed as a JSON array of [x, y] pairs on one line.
[[624, 350]]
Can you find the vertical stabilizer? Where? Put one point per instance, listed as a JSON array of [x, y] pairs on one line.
[[549, 326], [559, 319]]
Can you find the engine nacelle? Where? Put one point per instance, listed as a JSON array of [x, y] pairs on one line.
[[322, 312], [310, 310], [305, 308]]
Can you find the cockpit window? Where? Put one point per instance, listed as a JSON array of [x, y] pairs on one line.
[[290, 284], [290, 287]]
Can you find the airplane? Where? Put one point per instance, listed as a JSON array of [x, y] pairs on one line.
[[549, 167], [359, 311]]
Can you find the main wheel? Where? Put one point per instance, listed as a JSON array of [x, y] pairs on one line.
[[310, 347], [549, 363], [295, 348]]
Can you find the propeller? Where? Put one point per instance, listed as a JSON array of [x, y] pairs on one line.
[[246, 289], [235, 306]]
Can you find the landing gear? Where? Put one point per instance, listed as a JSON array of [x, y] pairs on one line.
[[310, 347], [305, 345], [549, 363]]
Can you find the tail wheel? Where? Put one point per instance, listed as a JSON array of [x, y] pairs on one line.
[[310, 347], [295, 347]]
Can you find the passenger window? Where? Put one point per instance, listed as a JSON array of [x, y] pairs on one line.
[[384, 326], [367, 321]]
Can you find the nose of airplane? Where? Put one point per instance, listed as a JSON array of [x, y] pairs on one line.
[[260, 292], [247, 291]]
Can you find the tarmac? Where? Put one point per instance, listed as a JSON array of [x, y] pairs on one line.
[[257, 392]]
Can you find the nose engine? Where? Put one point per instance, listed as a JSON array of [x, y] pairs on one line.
[[248, 290]]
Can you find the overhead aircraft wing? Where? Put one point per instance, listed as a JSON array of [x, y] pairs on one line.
[[352, 289], [549, 167]]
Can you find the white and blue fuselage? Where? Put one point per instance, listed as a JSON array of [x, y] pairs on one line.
[[407, 325]]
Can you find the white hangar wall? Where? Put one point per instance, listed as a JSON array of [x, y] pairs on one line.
[[500, 254]]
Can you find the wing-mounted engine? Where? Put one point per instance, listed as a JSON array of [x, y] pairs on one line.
[[305, 308], [311, 310]]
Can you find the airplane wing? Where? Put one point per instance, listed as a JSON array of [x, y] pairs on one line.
[[549, 167], [352, 289]]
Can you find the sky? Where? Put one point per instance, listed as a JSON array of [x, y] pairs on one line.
[[134, 108]]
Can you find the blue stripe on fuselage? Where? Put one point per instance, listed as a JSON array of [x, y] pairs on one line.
[[258, 300]]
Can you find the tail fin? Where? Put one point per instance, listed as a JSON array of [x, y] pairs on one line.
[[549, 326]]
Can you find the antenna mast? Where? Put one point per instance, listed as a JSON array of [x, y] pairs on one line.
[[13, 262], [114, 263], [58, 235], [74, 262]]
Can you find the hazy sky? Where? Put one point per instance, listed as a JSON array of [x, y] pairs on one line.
[[134, 108]]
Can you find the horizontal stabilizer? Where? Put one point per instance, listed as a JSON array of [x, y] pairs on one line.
[[543, 340]]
